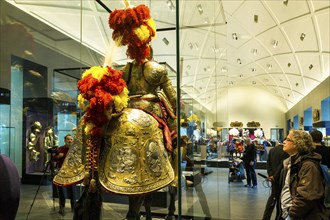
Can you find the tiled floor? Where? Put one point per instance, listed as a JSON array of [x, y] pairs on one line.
[[223, 200]]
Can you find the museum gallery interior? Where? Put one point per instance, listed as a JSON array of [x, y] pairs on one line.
[[194, 74]]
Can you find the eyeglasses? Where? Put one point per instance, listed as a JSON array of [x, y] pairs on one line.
[[288, 139]]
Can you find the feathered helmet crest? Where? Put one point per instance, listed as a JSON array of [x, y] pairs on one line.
[[134, 27]]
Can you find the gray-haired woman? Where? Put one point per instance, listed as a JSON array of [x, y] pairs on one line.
[[302, 182]]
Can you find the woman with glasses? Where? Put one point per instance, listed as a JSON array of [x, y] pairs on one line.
[[302, 182]]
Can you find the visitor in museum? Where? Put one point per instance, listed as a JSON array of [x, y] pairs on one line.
[[275, 160], [59, 159], [301, 181], [320, 148], [249, 159]]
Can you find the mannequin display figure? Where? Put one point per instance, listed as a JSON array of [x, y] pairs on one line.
[[33, 139]]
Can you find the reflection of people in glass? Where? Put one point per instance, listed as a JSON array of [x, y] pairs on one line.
[[198, 187], [59, 158], [33, 139]]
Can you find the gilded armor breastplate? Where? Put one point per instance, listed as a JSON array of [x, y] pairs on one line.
[[134, 160]]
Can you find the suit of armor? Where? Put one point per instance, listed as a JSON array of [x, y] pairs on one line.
[[144, 82]]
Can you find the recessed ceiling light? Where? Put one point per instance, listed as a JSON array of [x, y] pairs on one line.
[[310, 67], [285, 2], [255, 18], [289, 64], [302, 36], [191, 46], [254, 69], [170, 5], [231, 83], [288, 95], [206, 20], [297, 84], [200, 9], [239, 61], [275, 43], [196, 46], [269, 66], [234, 36], [215, 49], [224, 69], [254, 51], [241, 75], [254, 82], [165, 41]]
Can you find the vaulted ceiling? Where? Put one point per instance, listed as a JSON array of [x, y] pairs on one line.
[[279, 47]]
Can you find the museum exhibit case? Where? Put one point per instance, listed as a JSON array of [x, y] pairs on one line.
[[219, 70]]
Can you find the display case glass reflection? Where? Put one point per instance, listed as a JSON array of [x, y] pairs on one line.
[[66, 124], [7, 139]]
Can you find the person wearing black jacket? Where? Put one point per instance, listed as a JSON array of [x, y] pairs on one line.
[[317, 137], [249, 159], [274, 167]]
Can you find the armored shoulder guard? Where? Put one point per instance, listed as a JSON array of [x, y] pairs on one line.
[[155, 73]]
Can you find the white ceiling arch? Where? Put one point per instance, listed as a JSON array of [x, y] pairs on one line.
[[280, 48]]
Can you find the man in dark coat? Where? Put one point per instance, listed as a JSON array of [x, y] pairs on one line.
[[59, 158], [317, 137], [274, 168], [249, 159]]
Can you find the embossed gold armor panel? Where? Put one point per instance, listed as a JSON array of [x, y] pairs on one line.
[[73, 168], [134, 160]]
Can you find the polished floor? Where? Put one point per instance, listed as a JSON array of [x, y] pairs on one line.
[[212, 196]]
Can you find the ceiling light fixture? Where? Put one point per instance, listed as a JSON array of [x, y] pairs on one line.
[[191, 46], [206, 20], [165, 41], [254, 69], [231, 83], [200, 9], [224, 69], [275, 43], [254, 82], [285, 2], [234, 36], [196, 46], [289, 64], [297, 84], [310, 67], [302, 36], [170, 5], [241, 76], [269, 66], [239, 61], [256, 18], [254, 51], [215, 49]]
